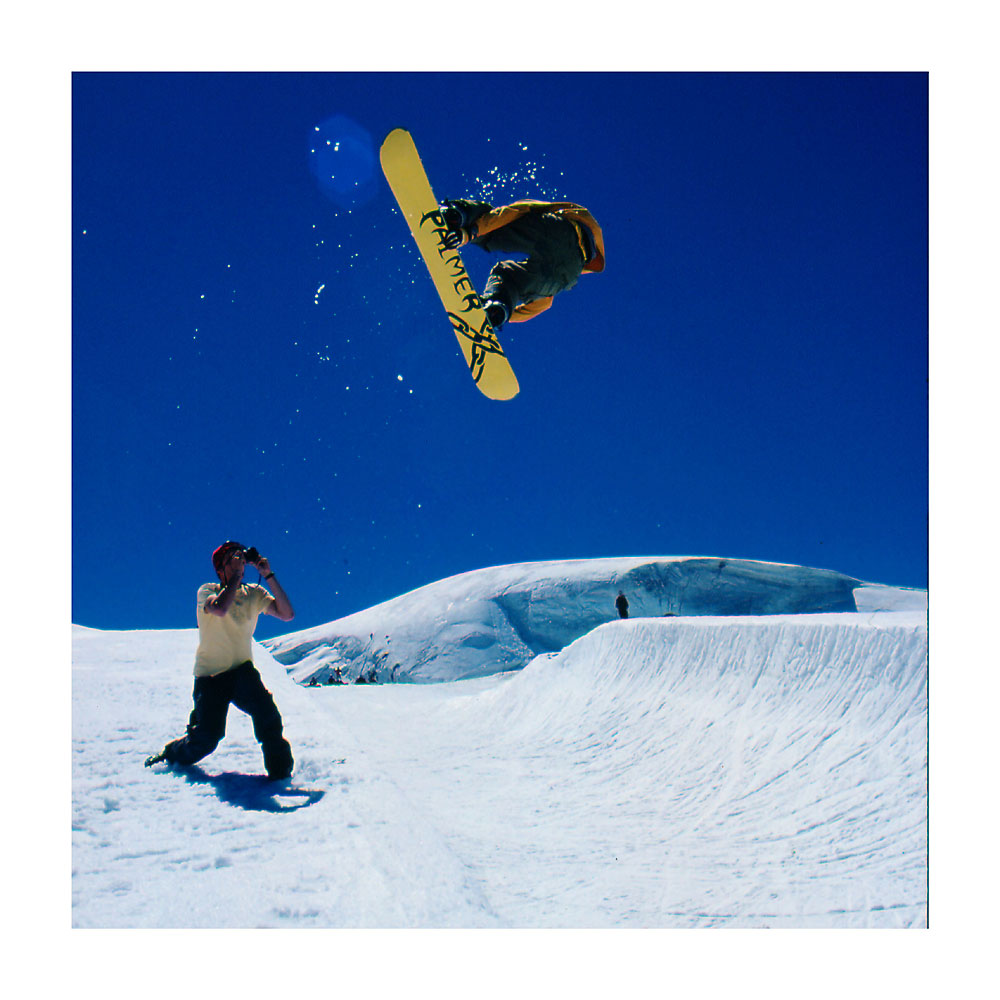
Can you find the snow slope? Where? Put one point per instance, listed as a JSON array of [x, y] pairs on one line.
[[739, 771], [497, 619]]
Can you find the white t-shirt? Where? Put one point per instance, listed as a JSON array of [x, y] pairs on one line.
[[224, 641]]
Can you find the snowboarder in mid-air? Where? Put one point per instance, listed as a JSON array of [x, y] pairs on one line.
[[561, 240], [224, 673]]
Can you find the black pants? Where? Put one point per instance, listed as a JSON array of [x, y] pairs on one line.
[[241, 686], [555, 261]]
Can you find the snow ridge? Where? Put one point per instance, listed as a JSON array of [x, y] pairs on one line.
[[493, 620]]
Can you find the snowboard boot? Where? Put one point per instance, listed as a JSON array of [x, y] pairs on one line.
[[156, 758], [496, 313]]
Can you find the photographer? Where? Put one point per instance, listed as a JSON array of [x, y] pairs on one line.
[[223, 668]]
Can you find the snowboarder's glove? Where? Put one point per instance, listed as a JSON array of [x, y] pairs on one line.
[[453, 218], [452, 215]]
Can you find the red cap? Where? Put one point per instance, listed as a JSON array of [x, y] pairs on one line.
[[220, 555]]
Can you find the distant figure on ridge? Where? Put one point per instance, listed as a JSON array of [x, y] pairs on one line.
[[621, 603], [561, 240], [224, 673]]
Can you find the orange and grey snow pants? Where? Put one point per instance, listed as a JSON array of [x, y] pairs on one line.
[[555, 259]]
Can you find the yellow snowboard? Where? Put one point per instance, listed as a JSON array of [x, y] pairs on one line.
[[487, 362]]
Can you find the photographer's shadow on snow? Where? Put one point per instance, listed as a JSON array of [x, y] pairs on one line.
[[252, 791]]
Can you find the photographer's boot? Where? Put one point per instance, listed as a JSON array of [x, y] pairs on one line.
[[278, 760]]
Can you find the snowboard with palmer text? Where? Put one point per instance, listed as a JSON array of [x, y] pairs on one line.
[[487, 362]]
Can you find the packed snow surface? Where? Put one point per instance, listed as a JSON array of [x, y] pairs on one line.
[[723, 770]]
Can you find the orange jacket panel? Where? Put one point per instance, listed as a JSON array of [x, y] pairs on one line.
[[500, 217]]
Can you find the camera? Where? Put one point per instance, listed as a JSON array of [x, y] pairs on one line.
[[251, 555]]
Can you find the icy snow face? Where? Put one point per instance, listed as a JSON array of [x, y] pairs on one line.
[[555, 612], [493, 620]]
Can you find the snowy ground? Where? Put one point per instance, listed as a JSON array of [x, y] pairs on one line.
[[760, 771]]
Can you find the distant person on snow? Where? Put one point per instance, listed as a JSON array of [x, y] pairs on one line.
[[562, 240], [224, 673], [621, 603]]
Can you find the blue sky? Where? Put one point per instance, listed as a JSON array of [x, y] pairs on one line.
[[253, 359]]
